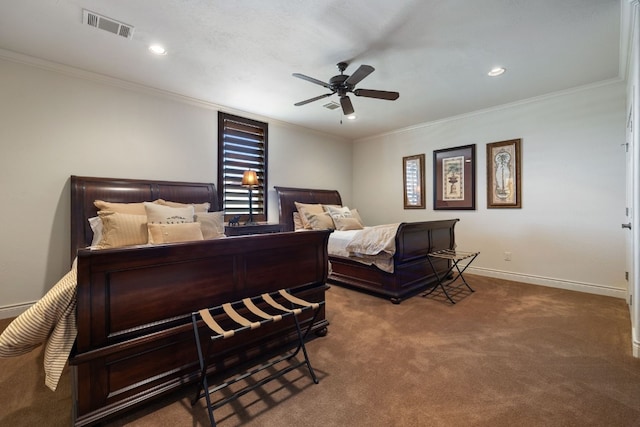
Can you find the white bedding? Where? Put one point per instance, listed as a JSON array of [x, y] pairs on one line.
[[371, 245]]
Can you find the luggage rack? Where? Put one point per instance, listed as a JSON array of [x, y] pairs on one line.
[[454, 257], [266, 308]]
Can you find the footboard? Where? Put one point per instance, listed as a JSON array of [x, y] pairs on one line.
[[412, 271], [135, 339]]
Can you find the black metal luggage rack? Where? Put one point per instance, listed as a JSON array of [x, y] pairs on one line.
[[266, 308], [454, 257]]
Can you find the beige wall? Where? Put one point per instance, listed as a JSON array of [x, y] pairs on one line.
[[568, 232], [56, 122]]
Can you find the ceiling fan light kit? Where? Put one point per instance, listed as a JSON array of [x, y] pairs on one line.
[[342, 84]]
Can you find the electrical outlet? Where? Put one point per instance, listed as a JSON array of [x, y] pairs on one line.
[[507, 256]]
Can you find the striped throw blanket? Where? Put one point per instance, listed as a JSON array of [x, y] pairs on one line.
[[51, 320]]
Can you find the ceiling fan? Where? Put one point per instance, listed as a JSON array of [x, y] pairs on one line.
[[342, 84]]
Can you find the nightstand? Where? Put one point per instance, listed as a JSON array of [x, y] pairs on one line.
[[258, 228]]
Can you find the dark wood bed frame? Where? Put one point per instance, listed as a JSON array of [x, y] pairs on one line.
[[412, 271], [135, 340]]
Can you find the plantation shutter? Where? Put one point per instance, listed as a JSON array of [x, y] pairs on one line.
[[242, 145]]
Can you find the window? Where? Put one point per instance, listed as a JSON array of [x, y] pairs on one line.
[[242, 145]]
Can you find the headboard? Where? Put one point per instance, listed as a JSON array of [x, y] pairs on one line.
[[84, 190], [287, 196]]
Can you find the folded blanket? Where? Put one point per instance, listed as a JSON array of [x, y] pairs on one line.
[[52, 320], [374, 240], [372, 245]]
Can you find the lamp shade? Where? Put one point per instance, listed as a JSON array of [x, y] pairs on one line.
[[249, 178]]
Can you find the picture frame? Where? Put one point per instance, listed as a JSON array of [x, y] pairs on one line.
[[413, 181], [504, 177], [454, 178]]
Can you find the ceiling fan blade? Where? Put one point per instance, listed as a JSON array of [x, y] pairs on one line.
[[311, 79], [297, 104], [362, 72], [379, 94], [347, 106]]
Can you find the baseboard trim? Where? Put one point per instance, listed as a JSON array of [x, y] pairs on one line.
[[570, 285], [15, 310]]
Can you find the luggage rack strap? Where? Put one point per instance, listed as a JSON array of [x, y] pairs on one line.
[[228, 313]]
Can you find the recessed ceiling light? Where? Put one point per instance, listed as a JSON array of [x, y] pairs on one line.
[[351, 117], [157, 49], [496, 71]]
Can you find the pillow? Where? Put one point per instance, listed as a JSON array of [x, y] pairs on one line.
[[173, 233], [297, 222], [120, 229], [125, 208], [307, 208], [211, 223], [356, 215], [338, 211], [320, 221], [96, 226], [160, 214], [198, 207], [347, 224]]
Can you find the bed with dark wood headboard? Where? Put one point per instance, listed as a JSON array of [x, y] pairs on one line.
[[411, 269], [134, 336]]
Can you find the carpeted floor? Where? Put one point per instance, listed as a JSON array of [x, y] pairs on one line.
[[509, 354]]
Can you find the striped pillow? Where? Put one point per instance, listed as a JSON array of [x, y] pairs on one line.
[[120, 229]]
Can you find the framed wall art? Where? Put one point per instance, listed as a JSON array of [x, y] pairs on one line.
[[413, 181], [454, 178], [504, 180]]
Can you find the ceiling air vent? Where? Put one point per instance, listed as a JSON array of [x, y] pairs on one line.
[[107, 24], [331, 105]]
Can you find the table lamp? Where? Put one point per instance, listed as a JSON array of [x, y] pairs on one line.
[[250, 180]]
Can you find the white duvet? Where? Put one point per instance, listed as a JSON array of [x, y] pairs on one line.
[[371, 245]]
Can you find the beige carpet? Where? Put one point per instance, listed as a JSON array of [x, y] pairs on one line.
[[509, 354]]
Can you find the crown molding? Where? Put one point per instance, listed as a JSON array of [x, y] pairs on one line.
[[148, 90]]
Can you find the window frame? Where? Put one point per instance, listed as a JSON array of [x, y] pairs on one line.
[[230, 170]]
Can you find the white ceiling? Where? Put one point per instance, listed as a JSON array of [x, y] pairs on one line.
[[241, 53]]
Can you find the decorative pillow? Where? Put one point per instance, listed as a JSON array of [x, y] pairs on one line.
[[160, 214], [198, 207], [356, 215], [120, 229], [124, 208], [320, 221], [174, 233], [338, 211], [96, 226], [211, 223], [297, 222], [347, 224], [308, 209]]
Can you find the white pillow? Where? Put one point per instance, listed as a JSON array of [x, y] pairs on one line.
[[338, 211], [198, 207], [211, 223], [160, 214], [96, 226]]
